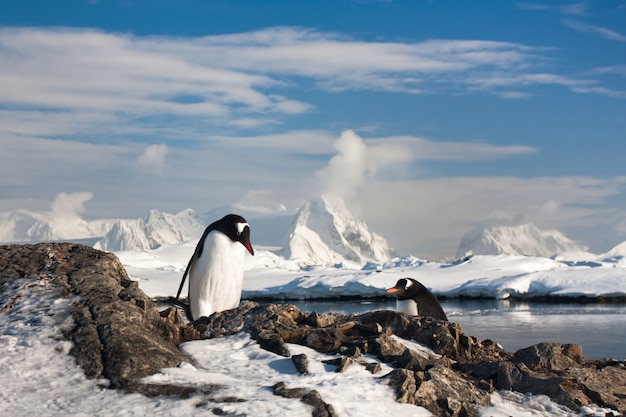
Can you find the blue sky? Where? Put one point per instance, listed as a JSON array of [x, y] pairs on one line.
[[427, 117]]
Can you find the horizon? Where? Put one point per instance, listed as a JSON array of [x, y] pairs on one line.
[[427, 120]]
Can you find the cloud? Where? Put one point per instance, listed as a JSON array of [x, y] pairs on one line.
[[347, 170], [68, 206], [358, 163], [59, 82], [420, 149], [580, 8], [614, 69], [596, 30], [152, 160]]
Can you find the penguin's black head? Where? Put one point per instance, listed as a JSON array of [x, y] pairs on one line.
[[406, 288], [237, 229]]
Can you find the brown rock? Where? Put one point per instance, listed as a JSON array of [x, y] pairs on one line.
[[119, 333], [301, 362], [550, 356], [440, 390]]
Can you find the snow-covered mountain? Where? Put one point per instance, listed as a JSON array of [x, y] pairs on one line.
[[325, 232], [156, 229], [619, 250], [525, 239], [28, 226], [319, 233]]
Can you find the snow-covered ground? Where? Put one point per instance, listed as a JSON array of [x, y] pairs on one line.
[[492, 276], [39, 377]]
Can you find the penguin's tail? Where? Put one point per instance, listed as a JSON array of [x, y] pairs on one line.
[[180, 305]]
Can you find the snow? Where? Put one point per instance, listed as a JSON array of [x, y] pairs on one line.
[[524, 239], [325, 232], [488, 276], [156, 229], [38, 376]]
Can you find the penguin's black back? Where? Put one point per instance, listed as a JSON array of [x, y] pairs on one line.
[[427, 302]]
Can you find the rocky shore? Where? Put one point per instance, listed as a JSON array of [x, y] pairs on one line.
[[120, 335]]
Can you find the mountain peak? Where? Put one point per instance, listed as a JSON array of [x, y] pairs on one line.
[[525, 239], [324, 231]]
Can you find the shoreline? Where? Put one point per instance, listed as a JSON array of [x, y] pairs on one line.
[[550, 299]]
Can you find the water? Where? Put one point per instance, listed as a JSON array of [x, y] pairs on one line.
[[599, 328]]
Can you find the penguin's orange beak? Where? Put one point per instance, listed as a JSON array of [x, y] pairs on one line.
[[249, 247], [392, 290]]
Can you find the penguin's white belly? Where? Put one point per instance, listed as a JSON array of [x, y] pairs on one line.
[[407, 307], [216, 278]]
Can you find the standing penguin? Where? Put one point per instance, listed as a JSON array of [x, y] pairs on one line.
[[415, 299], [216, 267]]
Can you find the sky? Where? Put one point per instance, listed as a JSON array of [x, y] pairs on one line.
[[428, 118]]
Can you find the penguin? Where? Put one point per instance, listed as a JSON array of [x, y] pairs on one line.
[[415, 299], [216, 268]]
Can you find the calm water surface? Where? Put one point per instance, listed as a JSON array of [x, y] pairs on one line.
[[599, 328]]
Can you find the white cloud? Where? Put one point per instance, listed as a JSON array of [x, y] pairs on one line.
[[580, 8], [420, 149], [347, 170], [152, 159], [70, 205], [124, 84], [596, 30], [615, 69]]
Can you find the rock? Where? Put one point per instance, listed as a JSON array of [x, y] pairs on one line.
[[301, 363], [310, 397], [604, 383], [440, 390], [119, 334], [342, 363], [281, 389], [565, 381], [315, 319], [372, 367], [320, 408], [550, 356]]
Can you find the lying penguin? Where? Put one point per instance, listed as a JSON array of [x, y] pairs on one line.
[[216, 268], [415, 299]]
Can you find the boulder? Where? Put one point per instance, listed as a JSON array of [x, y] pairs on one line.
[[440, 390], [119, 334]]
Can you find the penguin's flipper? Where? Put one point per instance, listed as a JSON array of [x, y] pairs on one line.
[[180, 305]]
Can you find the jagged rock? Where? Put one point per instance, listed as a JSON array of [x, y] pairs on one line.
[[550, 356], [119, 333], [604, 383], [342, 363], [440, 390], [565, 381], [373, 367], [315, 319]]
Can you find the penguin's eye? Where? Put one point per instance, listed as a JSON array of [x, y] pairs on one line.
[[241, 227]]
